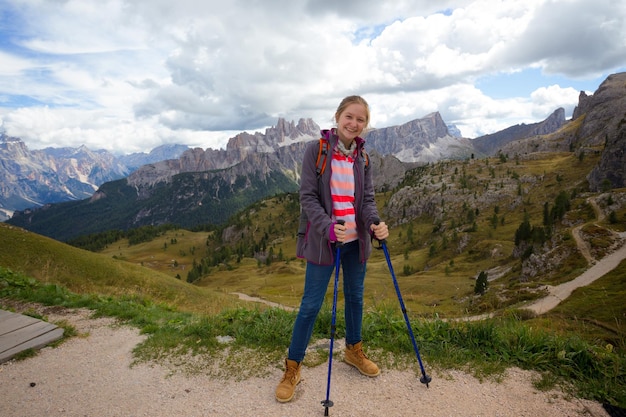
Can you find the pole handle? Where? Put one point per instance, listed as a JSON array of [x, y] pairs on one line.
[[383, 241], [341, 222]]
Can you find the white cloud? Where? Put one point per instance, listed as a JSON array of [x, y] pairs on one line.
[[132, 74], [12, 65], [543, 100]]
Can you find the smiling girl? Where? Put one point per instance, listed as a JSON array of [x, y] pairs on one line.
[[342, 193]]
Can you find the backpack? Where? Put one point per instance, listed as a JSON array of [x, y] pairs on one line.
[[320, 163]]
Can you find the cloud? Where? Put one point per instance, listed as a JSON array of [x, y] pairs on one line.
[[572, 37], [148, 72], [543, 100]]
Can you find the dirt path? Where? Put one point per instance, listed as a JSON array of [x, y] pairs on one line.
[[582, 245], [246, 297], [559, 293]]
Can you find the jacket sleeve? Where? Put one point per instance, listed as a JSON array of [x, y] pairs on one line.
[[310, 199]]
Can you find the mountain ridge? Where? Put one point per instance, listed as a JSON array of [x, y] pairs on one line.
[[394, 150]]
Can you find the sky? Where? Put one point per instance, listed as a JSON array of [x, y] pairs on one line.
[[130, 75]]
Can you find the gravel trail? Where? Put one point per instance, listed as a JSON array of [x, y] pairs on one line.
[[93, 376]]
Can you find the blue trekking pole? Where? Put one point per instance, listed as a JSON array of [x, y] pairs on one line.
[[425, 379], [327, 403]]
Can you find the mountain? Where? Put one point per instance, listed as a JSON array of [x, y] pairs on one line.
[[603, 123], [187, 199], [454, 130], [160, 153], [490, 144], [199, 187], [207, 186], [32, 178], [598, 125], [422, 140], [52, 175]]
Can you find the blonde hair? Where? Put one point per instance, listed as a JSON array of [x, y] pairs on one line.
[[354, 100]]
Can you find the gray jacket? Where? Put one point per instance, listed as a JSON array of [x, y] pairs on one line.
[[316, 204]]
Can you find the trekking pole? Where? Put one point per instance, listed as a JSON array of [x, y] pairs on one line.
[[425, 379], [327, 403]]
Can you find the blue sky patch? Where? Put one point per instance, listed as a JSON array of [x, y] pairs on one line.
[[523, 83], [17, 101]]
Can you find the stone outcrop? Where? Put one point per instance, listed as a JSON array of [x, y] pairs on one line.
[[603, 112], [611, 170], [603, 117]]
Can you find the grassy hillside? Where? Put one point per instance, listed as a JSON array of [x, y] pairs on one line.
[[83, 272], [438, 245]]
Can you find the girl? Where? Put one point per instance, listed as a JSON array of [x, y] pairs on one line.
[[343, 191]]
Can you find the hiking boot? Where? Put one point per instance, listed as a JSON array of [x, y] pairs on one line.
[[287, 386], [354, 356]]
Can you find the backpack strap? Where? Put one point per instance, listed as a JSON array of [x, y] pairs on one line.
[[366, 158], [320, 163]]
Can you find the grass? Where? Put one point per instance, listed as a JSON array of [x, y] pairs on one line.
[[190, 340], [85, 272], [171, 254]]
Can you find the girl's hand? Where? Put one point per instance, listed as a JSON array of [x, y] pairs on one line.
[[340, 232], [380, 230]]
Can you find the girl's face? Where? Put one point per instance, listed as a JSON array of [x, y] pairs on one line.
[[351, 123]]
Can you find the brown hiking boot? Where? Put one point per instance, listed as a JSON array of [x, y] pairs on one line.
[[287, 386], [354, 356]]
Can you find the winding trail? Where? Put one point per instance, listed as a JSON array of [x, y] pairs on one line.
[[250, 298], [559, 293], [598, 268], [556, 294]]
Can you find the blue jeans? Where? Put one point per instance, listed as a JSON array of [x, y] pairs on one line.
[[316, 282]]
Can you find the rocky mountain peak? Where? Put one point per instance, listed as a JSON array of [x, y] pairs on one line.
[[33, 178], [284, 133], [603, 111], [243, 147], [421, 140], [285, 130], [552, 123], [584, 104], [603, 124], [11, 145], [438, 125]]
